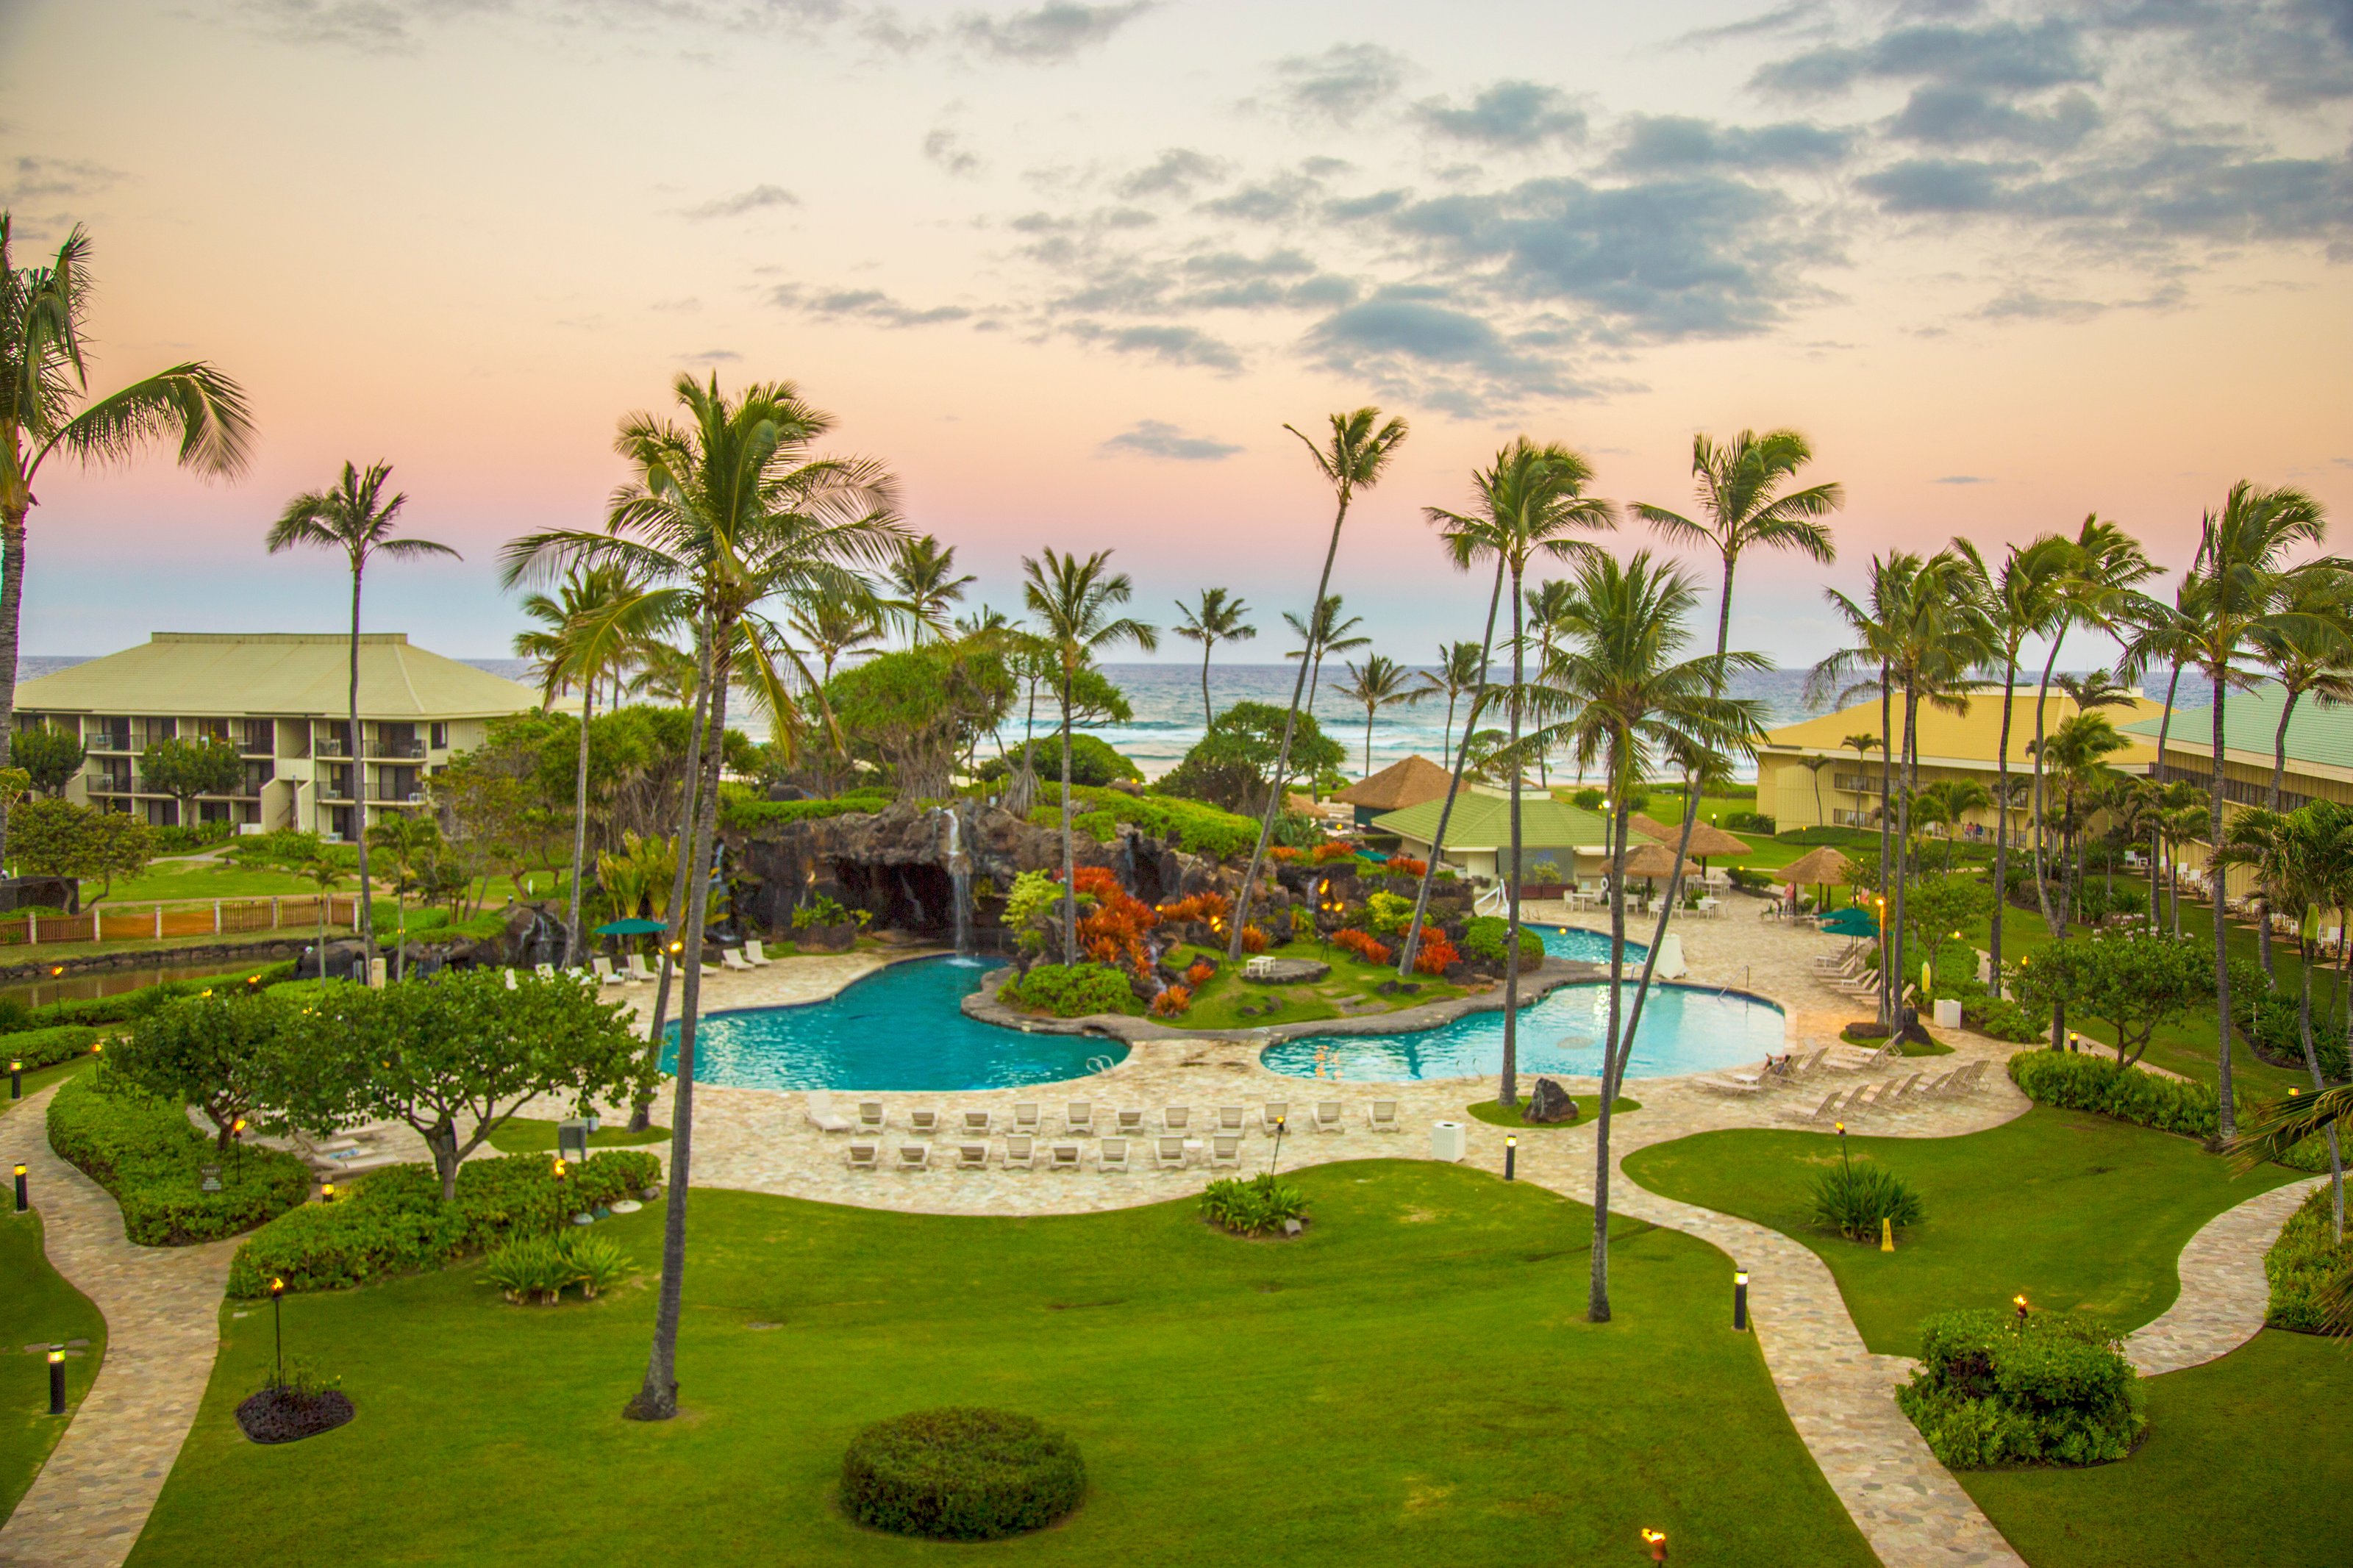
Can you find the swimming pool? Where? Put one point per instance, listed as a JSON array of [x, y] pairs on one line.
[[900, 1028]]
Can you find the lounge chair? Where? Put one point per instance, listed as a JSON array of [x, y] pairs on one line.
[[1176, 1118], [602, 967], [822, 1115], [580, 973], [914, 1156], [634, 966], [1896, 1096], [871, 1116], [1935, 1088], [1330, 1116], [1382, 1117], [1273, 1115], [924, 1122], [1226, 1151], [511, 979], [752, 951], [1730, 1084], [862, 1156], [1020, 1151], [1862, 1098], [1168, 1153], [1812, 1062], [545, 970], [1128, 1123], [1825, 1112], [1230, 1119], [1064, 1157], [977, 1123], [1078, 1120], [731, 959], [972, 1156], [1025, 1119], [1110, 1154]]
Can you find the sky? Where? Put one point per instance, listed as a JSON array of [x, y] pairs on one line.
[[1071, 269]]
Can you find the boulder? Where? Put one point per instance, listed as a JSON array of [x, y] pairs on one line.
[[1549, 1103]]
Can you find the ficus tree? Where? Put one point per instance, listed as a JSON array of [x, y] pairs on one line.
[[224, 1052]]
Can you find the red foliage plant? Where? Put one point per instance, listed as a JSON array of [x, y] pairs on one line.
[[1172, 1002], [1407, 866], [1284, 853], [1436, 954], [1200, 909], [1198, 975], [1328, 853], [1362, 945], [1254, 938], [1096, 881]]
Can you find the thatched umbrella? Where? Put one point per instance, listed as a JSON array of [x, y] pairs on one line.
[[1654, 860], [1706, 837], [1821, 866]]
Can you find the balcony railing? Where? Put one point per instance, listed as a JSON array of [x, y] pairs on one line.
[[397, 749], [332, 744]]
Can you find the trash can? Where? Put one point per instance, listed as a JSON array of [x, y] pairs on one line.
[[1447, 1141], [571, 1138], [1948, 1012]]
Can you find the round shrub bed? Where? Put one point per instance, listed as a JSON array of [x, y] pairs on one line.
[[288, 1414], [961, 1474]]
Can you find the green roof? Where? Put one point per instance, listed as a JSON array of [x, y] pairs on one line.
[[1484, 822], [2316, 733], [222, 675]]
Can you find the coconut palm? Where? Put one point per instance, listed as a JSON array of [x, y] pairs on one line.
[[2075, 755], [1218, 616], [1355, 455], [1871, 624], [835, 630], [1470, 757], [593, 627], [2309, 656], [1073, 600], [2159, 632], [1622, 695], [45, 412], [1530, 503], [1335, 632], [2236, 597], [1947, 801], [923, 572], [1381, 684], [1458, 673], [324, 873], [357, 518], [1547, 602], [728, 504]]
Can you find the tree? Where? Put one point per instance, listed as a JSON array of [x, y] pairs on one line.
[[1940, 905], [835, 629], [224, 1053], [1334, 631], [357, 518], [324, 873], [1093, 764], [2311, 655], [1216, 619], [406, 842], [923, 572], [2075, 751], [1626, 698], [1458, 673], [1073, 600], [50, 757], [1353, 457], [1945, 802], [916, 710], [46, 410], [1379, 684], [2134, 982], [58, 838], [1234, 765], [186, 769]]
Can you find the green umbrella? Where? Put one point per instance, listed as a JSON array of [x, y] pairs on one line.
[[1853, 921], [630, 928]]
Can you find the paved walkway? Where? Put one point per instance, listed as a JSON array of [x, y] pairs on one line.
[[2223, 1292], [163, 1331]]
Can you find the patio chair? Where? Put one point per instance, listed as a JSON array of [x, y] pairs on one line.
[[731, 959], [925, 1122], [972, 1156], [1078, 1120], [822, 1115], [1382, 1117], [871, 1117], [753, 951], [1862, 1099], [914, 1156], [603, 969], [862, 1155], [1273, 1116], [1745, 1083], [1110, 1154], [1226, 1151], [1020, 1151], [1809, 1064], [1168, 1153], [1025, 1119], [1062, 1157], [1128, 1123], [1936, 1088], [1329, 1116], [978, 1123], [1890, 1098], [1827, 1110], [1176, 1118], [545, 970], [580, 973], [1230, 1119], [634, 966], [511, 979]]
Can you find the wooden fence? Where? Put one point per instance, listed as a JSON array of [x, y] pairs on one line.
[[154, 923]]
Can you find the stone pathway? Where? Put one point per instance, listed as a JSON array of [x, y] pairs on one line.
[[163, 1331], [2223, 1292]]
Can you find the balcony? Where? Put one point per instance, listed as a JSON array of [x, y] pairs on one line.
[[334, 744], [414, 750]]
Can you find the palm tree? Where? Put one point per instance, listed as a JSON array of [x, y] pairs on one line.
[[1073, 600], [1217, 617], [1459, 672], [1814, 765], [1871, 624], [2075, 753], [1862, 746], [835, 629], [1627, 699], [405, 841], [1947, 801], [923, 572], [729, 506], [357, 518], [2160, 632], [596, 623], [1335, 632], [44, 381], [1473, 746], [325, 873], [1380, 684], [2236, 596], [2311, 655], [1532, 502], [1354, 458], [1546, 603]]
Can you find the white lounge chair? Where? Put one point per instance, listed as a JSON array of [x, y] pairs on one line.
[[1064, 1157], [1330, 1116], [977, 1123], [863, 1156], [1822, 1112], [1721, 1084], [1274, 1116], [1020, 1151], [753, 951], [1893, 1097], [972, 1156], [914, 1156], [511, 979], [822, 1115], [1025, 1119], [1168, 1153], [871, 1116], [580, 973], [1382, 1117], [545, 970], [604, 968], [1176, 1118], [1110, 1154], [1128, 1123], [1078, 1120], [731, 959], [1863, 1099], [925, 1122], [1230, 1119], [634, 966], [1225, 1151]]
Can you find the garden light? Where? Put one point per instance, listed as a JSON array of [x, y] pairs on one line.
[[1511, 1154], [21, 1205], [57, 970], [16, 1080], [278, 1322], [57, 1380], [326, 1192], [1740, 1300], [2019, 1302], [1656, 1540]]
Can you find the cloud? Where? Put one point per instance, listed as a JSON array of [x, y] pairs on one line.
[[756, 199], [1964, 479], [1275, 199], [1175, 173], [712, 356], [1170, 344], [1508, 114], [25, 179], [945, 148], [1961, 116], [2001, 56], [1941, 186], [1660, 144], [1053, 32], [1342, 82], [1808, 15], [864, 304], [1415, 340], [1156, 438]]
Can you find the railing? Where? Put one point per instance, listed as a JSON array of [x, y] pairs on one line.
[[333, 744], [411, 749], [158, 921]]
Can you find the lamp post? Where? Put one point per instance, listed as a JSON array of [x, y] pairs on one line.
[[21, 1203], [16, 1080], [2019, 1303], [1740, 1300], [278, 1322], [57, 1380], [1842, 1158], [1276, 1159], [1656, 1540], [1511, 1155]]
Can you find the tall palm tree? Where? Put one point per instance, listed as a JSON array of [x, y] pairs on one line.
[[1547, 601], [1947, 801], [2310, 655], [1530, 503], [923, 572], [1217, 617], [1872, 624], [1475, 670], [1862, 745], [599, 621], [357, 518], [1381, 684], [2076, 756], [1459, 672], [1073, 600], [1355, 455], [728, 504], [2237, 595], [2160, 634], [44, 385], [1334, 631], [835, 629], [1625, 697]]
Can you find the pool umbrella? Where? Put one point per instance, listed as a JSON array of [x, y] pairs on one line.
[[1852, 922], [1821, 867], [1706, 837], [632, 927], [1655, 860]]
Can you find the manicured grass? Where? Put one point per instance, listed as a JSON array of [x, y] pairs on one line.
[[37, 1307], [1931, 1046], [1588, 1106], [530, 1135], [2243, 1465], [39, 1078], [1410, 1381], [1219, 1002], [2080, 1212], [190, 879]]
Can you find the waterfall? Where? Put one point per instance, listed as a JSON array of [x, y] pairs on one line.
[[960, 873]]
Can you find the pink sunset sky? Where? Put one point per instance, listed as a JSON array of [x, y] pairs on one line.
[[1070, 269]]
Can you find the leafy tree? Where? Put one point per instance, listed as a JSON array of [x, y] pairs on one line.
[[1941, 905], [1093, 700], [58, 838], [225, 1054], [915, 712], [186, 769], [1233, 765], [50, 757], [1093, 763], [1218, 616], [2134, 982]]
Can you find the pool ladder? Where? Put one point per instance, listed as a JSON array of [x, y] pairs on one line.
[[1100, 1063]]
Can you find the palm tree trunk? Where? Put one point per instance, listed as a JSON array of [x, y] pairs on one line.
[[1903, 833], [641, 1114], [2227, 1119], [1454, 781], [2157, 858], [12, 613], [1208, 717], [2001, 819], [1070, 873], [2312, 1066], [359, 785], [579, 824], [2057, 927], [657, 1400], [1508, 1093], [1886, 852], [1368, 740], [2279, 770], [1282, 753], [1597, 1300]]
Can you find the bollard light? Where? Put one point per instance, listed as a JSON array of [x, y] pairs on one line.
[[57, 1380], [2019, 1303], [1740, 1300], [16, 1080], [327, 1192], [1511, 1155], [21, 1205], [278, 1322], [1656, 1540]]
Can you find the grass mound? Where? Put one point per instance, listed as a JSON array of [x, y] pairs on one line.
[[961, 1474]]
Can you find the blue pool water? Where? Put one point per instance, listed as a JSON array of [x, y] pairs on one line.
[[899, 1028]]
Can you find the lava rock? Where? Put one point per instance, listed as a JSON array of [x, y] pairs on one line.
[[1549, 1103], [284, 1416]]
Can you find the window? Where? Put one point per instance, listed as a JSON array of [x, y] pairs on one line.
[[440, 737]]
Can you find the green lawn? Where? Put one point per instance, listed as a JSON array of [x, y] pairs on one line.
[[1219, 1002], [191, 878], [531, 1135], [1412, 1381], [37, 1307], [2080, 1212], [2244, 1463]]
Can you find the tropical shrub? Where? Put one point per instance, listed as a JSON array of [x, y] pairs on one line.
[[1483, 938], [1302, 924], [1363, 945], [1325, 854], [961, 1474], [1198, 909], [825, 909], [2006, 1020], [1749, 822], [745, 811], [538, 1267], [1093, 762], [2049, 1389], [1254, 938], [1251, 1208], [1435, 953], [2311, 1277], [1074, 990], [141, 1149], [1407, 866], [1174, 1001], [1386, 914], [1202, 829], [2074, 1082], [1198, 974], [1854, 1199], [47, 1048]]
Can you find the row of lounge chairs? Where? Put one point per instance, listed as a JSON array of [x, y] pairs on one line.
[[1081, 1119], [1896, 1094], [1022, 1151], [635, 971], [1779, 1072]]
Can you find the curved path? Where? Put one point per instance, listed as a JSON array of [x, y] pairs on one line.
[[161, 1306], [2224, 1293]]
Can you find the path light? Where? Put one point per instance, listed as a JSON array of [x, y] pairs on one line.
[[278, 1322], [2019, 1303], [1740, 1300], [1511, 1154], [327, 1192], [57, 1380], [1656, 1540], [16, 1080], [57, 970], [1276, 1159], [1842, 1157], [21, 1205]]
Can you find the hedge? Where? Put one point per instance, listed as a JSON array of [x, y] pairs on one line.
[[2049, 1389], [145, 1151], [1072, 990], [2302, 1265], [47, 1048], [1483, 937], [1201, 829], [741, 809], [961, 1474], [2074, 1081], [393, 1222]]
